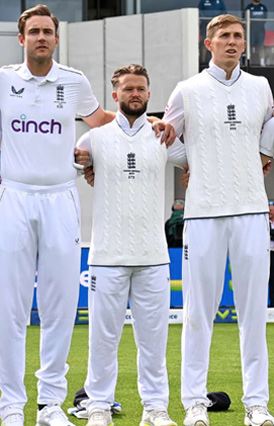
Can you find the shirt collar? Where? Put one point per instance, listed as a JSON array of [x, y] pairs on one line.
[[125, 126], [52, 75], [220, 75]]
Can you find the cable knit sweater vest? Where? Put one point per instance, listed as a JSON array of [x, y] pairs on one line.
[[222, 134], [128, 215]]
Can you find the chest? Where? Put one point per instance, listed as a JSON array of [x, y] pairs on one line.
[[26, 101]]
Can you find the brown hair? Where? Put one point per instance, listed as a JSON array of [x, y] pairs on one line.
[[222, 21], [130, 69], [39, 10]]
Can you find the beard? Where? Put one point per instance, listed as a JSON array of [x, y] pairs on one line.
[[133, 112]]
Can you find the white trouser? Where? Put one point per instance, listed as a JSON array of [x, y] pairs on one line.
[[148, 290], [39, 226], [207, 242]]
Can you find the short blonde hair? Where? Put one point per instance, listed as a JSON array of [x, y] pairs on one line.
[[222, 21]]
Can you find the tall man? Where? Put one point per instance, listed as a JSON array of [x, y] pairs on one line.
[[128, 254], [220, 113], [39, 214]]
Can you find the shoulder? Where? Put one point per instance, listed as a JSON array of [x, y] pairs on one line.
[[257, 84], [10, 69], [192, 81], [72, 73], [254, 78], [102, 130]]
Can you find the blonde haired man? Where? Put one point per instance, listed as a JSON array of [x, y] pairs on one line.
[[220, 113]]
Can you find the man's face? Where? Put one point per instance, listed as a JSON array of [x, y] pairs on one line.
[[39, 39], [227, 46], [132, 94]]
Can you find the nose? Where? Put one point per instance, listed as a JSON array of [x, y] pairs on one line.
[[231, 40], [41, 35], [135, 92]]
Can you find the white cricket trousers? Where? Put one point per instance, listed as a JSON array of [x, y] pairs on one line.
[[207, 242], [148, 290], [39, 226]]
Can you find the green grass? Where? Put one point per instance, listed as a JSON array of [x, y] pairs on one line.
[[224, 374]]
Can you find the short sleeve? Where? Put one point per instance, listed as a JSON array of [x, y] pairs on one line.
[[87, 101]]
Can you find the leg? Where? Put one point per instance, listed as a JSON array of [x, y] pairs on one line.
[[17, 266], [150, 302], [204, 261], [108, 295], [249, 257], [271, 279], [57, 290]]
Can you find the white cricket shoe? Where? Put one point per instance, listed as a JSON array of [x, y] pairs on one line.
[[196, 415], [258, 416], [157, 417], [100, 417], [15, 418], [52, 416]]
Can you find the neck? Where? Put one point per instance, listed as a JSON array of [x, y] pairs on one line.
[[227, 69], [40, 69], [130, 118]]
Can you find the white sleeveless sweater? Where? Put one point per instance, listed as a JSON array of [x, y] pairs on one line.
[[128, 215], [221, 135]]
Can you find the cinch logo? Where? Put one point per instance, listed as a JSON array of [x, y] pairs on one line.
[[27, 126]]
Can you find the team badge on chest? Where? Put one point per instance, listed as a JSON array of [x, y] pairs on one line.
[[131, 165], [232, 118], [60, 96]]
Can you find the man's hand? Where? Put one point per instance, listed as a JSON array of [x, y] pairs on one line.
[[81, 157], [89, 175], [168, 135], [184, 178], [267, 168]]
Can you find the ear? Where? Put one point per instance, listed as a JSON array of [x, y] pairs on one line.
[[244, 47], [114, 96], [207, 44], [56, 40], [21, 39], [148, 95]]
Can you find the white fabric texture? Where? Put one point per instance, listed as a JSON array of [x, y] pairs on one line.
[[128, 214], [148, 291], [38, 123], [221, 129], [40, 223], [207, 242], [45, 222]]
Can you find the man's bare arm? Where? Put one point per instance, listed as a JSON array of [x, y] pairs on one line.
[[99, 118]]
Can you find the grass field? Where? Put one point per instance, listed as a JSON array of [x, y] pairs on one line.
[[224, 374]]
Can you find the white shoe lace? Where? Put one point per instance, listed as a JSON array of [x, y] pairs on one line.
[[13, 418], [261, 410], [58, 413], [160, 414], [197, 410], [97, 416]]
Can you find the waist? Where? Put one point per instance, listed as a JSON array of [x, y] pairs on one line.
[[18, 186]]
